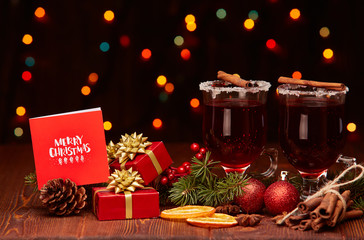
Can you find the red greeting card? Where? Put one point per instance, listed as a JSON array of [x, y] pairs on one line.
[[70, 145]]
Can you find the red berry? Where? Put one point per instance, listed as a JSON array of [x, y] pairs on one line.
[[170, 176], [199, 156], [164, 180], [202, 150], [181, 169], [174, 171], [186, 164], [195, 147], [188, 168], [168, 171]]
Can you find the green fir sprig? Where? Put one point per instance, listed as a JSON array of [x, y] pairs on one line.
[[31, 179], [359, 204], [203, 186]]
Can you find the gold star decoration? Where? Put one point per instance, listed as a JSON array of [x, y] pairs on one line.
[[125, 180]]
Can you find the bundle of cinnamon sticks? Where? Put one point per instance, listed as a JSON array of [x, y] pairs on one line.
[[319, 212]]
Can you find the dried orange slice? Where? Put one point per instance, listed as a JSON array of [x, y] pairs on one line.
[[189, 211], [217, 220]]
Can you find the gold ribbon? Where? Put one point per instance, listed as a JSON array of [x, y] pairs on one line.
[[155, 162], [128, 205]]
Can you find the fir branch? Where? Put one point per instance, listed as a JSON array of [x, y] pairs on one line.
[[202, 169], [358, 204], [31, 179], [184, 191]]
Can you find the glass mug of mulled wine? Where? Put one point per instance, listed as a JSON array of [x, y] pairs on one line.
[[311, 131], [235, 125]]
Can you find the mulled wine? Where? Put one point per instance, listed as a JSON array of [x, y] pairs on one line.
[[234, 130], [311, 132]]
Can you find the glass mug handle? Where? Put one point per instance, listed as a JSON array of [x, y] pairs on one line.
[[272, 153], [348, 161]]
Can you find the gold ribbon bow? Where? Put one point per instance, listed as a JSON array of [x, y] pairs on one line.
[[125, 180]]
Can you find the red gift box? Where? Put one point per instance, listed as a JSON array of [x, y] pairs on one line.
[[109, 205], [150, 164]]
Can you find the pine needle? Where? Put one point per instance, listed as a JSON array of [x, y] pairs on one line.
[[184, 191], [31, 179]]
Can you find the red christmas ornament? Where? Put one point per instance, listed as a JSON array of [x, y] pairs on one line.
[[281, 197], [253, 198]]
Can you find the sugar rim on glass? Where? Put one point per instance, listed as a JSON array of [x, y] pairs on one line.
[[207, 86], [290, 89]]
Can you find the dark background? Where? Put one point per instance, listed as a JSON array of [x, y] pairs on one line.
[[66, 50]]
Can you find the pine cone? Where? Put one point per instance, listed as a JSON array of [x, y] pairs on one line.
[[62, 197]]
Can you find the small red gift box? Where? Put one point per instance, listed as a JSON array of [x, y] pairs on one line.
[[150, 164], [108, 205]]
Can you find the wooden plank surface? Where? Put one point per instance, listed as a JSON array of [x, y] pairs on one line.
[[22, 216]]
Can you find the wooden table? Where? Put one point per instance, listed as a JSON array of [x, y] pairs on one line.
[[22, 216]]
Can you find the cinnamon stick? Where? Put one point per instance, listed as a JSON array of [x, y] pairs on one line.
[[295, 220], [327, 85], [305, 225], [338, 209], [356, 213], [233, 79], [318, 223], [309, 205], [326, 207]]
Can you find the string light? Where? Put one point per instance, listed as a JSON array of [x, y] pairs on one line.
[[86, 90], [29, 61], [20, 111], [39, 12], [295, 14], [93, 78], [296, 75], [271, 43], [195, 103], [107, 125], [169, 88], [161, 80], [221, 13], [328, 53], [146, 54], [125, 41], [27, 39], [324, 32], [185, 54], [351, 127], [18, 132], [190, 18], [109, 15], [104, 46], [157, 123], [191, 26], [253, 15], [26, 76], [163, 96], [249, 24], [178, 41]]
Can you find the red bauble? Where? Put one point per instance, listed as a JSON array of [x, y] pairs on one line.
[[281, 197], [195, 147], [253, 198]]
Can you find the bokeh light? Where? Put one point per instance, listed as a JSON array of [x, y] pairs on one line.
[[253, 15], [157, 123], [178, 41], [107, 125], [39, 12], [20, 111], [351, 127], [195, 103], [18, 132], [328, 53], [190, 18], [109, 15], [26, 76], [163, 96], [104, 46], [221, 13], [27, 39], [191, 26], [86, 90], [271, 43], [185, 54], [29, 61], [169, 88], [93, 78], [295, 14], [249, 24], [161, 80], [125, 41], [324, 32], [146, 54], [296, 75]]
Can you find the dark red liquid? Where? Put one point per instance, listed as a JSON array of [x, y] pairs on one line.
[[311, 133], [234, 131]]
